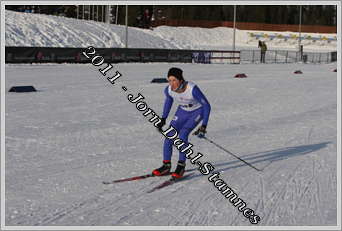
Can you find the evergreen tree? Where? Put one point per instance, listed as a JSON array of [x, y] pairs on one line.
[[274, 14]]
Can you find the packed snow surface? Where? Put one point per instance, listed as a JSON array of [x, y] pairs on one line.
[[27, 29], [79, 130]]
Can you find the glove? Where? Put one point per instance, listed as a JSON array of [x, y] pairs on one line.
[[201, 131], [161, 124]]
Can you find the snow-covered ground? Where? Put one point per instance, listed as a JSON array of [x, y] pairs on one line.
[[26, 29], [79, 130]]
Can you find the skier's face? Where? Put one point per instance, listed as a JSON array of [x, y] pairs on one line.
[[174, 82]]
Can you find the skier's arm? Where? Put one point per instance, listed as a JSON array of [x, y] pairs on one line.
[[167, 104], [199, 96]]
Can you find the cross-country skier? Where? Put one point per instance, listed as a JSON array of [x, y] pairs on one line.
[[193, 107]]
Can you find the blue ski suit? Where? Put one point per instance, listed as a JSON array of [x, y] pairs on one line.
[[193, 108]]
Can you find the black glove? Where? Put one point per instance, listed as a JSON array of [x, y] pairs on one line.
[[161, 124], [201, 131]]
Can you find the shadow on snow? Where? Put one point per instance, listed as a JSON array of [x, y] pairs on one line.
[[267, 156]]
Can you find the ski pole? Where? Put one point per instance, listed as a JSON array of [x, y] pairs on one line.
[[231, 153]]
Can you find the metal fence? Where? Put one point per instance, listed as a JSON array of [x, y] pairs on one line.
[[285, 56]]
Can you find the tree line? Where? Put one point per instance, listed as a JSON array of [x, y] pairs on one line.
[[273, 14]]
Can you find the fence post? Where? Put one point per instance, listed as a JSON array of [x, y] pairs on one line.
[[287, 53], [252, 57], [320, 56], [275, 57]]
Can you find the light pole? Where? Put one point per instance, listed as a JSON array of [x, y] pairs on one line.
[[126, 43], [117, 15], [93, 12], [77, 9], [300, 28], [102, 15], [108, 14], [234, 25]]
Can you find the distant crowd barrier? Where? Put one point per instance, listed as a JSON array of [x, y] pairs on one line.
[[219, 57], [139, 55], [117, 55], [284, 56], [274, 36], [74, 55]]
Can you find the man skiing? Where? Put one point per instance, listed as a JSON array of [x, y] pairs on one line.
[[193, 107]]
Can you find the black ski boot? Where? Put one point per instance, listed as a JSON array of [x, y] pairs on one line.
[[163, 170], [179, 170]]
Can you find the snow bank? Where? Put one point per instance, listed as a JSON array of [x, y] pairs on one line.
[[27, 29]]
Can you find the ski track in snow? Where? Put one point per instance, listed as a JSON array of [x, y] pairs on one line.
[[78, 130]]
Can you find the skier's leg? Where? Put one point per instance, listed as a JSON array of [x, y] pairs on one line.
[[183, 135], [190, 124], [193, 119], [177, 122]]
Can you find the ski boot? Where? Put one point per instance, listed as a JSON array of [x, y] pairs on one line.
[[163, 170], [179, 170]]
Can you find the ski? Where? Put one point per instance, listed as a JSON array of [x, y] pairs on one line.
[[131, 178], [169, 182]]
